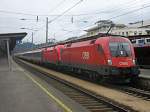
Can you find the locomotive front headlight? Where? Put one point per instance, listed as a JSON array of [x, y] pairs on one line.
[[134, 61], [109, 62]]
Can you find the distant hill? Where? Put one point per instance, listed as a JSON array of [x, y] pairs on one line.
[[23, 47]]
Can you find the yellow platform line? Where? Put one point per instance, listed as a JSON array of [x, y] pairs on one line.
[[66, 109]]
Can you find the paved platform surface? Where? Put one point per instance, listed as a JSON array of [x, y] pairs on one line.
[[20, 94], [145, 73], [3, 64]]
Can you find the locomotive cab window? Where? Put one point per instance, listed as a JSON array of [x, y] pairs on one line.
[[120, 49]]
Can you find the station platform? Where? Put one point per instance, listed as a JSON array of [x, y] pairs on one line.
[[145, 73], [19, 93]]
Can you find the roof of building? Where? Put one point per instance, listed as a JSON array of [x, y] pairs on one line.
[[99, 26], [12, 37], [140, 24]]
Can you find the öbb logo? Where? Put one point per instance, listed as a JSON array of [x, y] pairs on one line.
[[85, 55]]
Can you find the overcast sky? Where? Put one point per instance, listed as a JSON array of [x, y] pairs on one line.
[[85, 14]]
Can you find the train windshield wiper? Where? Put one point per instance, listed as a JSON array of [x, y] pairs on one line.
[[117, 51], [124, 50]]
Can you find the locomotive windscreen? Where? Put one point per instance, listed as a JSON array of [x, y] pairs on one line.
[[120, 49]]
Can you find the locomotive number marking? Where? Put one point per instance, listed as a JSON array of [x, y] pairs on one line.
[[123, 63], [85, 55]]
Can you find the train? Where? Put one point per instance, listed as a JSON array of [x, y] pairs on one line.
[[107, 57], [141, 42]]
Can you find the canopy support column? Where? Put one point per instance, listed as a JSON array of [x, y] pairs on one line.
[[8, 55]]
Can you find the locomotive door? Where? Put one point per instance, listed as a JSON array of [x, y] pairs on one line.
[[101, 54]]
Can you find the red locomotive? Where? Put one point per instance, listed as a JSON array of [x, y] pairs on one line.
[[52, 54], [103, 57]]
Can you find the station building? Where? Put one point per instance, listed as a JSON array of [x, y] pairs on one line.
[[133, 29]]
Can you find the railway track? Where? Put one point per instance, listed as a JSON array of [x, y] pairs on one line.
[[89, 100], [131, 90], [140, 93]]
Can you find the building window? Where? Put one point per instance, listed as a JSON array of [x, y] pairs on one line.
[[135, 33], [140, 32], [122, 33], [148, 32], [127, 34]]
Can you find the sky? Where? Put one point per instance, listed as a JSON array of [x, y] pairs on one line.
[[67, 18]]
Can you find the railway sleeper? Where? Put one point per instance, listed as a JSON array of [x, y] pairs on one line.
[[101, 109], [93, 104]]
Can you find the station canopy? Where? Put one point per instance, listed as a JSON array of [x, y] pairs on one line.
[[12, 37]]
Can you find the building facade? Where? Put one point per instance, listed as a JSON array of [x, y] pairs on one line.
[[118, 29]]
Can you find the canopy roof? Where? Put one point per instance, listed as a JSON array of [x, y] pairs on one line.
[[12, 37]]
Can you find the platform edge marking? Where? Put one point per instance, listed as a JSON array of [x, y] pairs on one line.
[[67, 109]]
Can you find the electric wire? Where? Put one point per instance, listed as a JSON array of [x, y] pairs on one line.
[[29, 14], [62, 14], [57, 16]]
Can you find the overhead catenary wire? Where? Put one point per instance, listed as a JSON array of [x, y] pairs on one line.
[[135, 10], [55, 7], [30, 14], [116, 16], [132, 11], [129, 12], [113, 10], [61, 14], [66, 11], [82, 14], [119, 15], [129, 5]]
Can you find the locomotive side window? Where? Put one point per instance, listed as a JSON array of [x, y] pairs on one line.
[[92, 41], [69, 45], [61, 50], [118, 49], [51, 49], [100, 49]]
